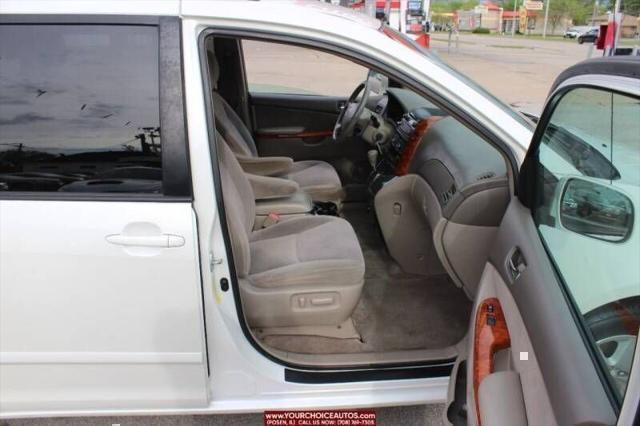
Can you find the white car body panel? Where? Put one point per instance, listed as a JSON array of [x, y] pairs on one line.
[[241, 379], [91, 7], [133, 311]]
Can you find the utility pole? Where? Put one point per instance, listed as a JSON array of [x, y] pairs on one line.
[[513, 23], [547, 5], [593, 20], [617, 23], [595, 11]]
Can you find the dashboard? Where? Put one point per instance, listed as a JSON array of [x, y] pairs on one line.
[[434, 177], [413, 136]]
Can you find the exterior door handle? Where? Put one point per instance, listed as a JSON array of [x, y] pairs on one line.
[[163, 240]]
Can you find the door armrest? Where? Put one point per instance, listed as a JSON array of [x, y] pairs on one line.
[[501, 400]]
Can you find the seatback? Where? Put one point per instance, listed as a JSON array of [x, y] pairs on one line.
[[232, 128], [239, 204], [228, 123]]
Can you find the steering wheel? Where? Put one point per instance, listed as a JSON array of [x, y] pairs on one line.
[[350, 113]]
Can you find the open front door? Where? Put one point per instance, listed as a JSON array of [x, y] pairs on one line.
[[556, 316]]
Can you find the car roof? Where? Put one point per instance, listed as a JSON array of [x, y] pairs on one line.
[[621, 66], [302, 13]]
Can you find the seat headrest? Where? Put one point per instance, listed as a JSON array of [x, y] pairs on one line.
[[214, 68]]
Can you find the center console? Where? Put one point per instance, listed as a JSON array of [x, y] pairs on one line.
[[299, 204], [394, 155]]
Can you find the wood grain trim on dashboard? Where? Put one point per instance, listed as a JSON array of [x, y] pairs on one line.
[[298, 135], [409, 150], [491, 335]]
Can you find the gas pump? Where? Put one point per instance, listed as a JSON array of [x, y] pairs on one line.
[[415, 17]]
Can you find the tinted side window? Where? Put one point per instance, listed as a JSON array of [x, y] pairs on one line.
[[79, 109], [587, 215]]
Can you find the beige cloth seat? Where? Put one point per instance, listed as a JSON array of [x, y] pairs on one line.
[[302, 271], [317, 178]]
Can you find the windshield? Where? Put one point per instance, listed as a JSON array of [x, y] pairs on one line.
[[410, 43]]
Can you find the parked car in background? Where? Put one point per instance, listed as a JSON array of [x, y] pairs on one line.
[[572, 32], [590, 36]]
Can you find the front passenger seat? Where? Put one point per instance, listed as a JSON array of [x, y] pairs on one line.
[[301, 271], [317, 178]]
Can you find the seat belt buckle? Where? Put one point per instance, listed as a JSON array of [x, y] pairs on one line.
[[271, 219]]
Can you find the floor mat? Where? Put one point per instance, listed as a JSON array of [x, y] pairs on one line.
[[397, 311]]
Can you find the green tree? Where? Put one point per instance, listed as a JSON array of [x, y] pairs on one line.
[[452, 6], [509, 4], [559, 10], [631, 7]]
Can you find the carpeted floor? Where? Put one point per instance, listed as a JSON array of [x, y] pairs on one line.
[[397, 311]]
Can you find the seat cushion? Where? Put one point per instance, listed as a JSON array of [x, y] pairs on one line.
[[314, 251], [318, 179]]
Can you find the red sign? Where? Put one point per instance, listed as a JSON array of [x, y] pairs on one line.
[[602, 36]]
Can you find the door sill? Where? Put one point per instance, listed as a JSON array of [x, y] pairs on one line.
[[425, 371]]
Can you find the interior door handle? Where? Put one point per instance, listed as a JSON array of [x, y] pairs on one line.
[[516, 264], [163, 240]]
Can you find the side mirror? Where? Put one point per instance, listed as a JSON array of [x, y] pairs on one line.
[[595, 210]]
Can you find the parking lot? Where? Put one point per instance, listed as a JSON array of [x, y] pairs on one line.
[[517, 70]]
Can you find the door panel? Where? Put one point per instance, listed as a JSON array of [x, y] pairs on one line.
[[88, 324], [561, 261], [540, 323], [492, 288], [297, 126]]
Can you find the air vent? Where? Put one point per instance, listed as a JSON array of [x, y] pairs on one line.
[[411, 118], [447, 195], [487, 175]]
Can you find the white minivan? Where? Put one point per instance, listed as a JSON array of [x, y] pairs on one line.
[[215, 207]]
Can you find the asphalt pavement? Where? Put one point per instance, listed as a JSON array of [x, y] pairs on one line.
[[518, 70]]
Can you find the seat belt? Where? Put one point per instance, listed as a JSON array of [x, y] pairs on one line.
[[272, 219]]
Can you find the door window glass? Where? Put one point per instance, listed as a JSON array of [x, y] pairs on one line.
[[79, 109], [282, 68], [588, 198]]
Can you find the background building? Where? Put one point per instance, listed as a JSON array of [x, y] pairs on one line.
[[629, 27]]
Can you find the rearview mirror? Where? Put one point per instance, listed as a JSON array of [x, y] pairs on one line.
[[596, 210], [378, 83]]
